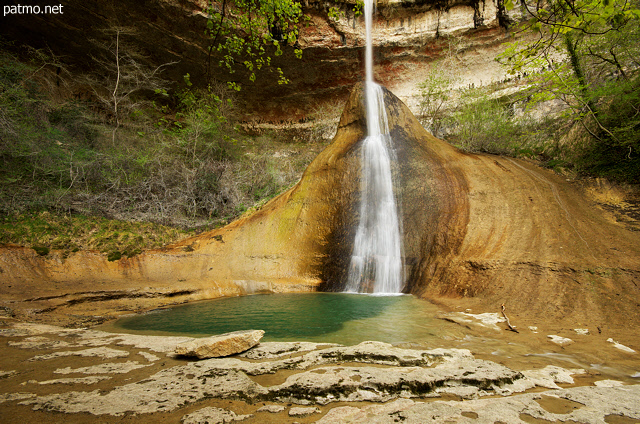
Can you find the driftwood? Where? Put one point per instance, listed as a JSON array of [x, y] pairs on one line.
[[511, 327]]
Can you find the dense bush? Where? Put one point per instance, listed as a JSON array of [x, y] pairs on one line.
[[592, 82], [44, 145], [585, 54]]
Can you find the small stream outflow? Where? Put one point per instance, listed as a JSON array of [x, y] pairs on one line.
[[376, 259]]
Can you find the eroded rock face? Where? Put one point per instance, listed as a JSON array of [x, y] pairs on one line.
[[428, 189], [297, 242], [221, 345], [409, 35]]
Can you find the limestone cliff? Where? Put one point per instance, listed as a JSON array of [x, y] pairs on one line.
[[409, 35]]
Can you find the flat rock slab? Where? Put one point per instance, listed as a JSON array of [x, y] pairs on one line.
[[104, 368], [301, 411], [211, 415], [560, 341], [451, 371], [221, 345], [274, 409], [101, 352], [273, 350], [581, 405], [464, 378], [94, 379]]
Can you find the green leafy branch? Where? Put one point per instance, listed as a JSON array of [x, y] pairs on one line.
[[336, 13], [249, 33]]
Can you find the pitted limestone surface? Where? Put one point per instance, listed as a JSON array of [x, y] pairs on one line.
[[408, 373], [398, 381]]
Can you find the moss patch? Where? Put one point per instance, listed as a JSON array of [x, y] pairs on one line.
[[45, 231]]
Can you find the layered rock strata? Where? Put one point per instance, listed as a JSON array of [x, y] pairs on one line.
[[409, 35]]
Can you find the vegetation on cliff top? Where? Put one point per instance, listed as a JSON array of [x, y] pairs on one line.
[[574, 98]]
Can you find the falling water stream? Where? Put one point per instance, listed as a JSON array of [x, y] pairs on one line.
[[376, 260]]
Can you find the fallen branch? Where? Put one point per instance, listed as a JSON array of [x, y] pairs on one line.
[[511, 327]]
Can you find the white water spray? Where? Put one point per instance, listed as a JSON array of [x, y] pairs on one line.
[[376, 260]]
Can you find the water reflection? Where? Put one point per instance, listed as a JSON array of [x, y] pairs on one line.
[[401, 320], [319, 317]]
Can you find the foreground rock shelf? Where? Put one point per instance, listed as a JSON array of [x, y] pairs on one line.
[[87, 375]]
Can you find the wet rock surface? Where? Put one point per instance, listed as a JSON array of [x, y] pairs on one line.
[[211, 415], [480, 231], [589, 404], [301, 382], [279, 349]]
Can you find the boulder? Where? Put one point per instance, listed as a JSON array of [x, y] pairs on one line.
[[220, 345]]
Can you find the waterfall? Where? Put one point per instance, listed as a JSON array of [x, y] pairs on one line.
[[376, 259]]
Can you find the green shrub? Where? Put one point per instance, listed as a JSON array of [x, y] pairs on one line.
[[181, 163], [615, 150], [435, 92], [482, 123]]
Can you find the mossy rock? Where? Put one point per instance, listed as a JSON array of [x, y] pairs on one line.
[[41, 250], [114, 256]]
